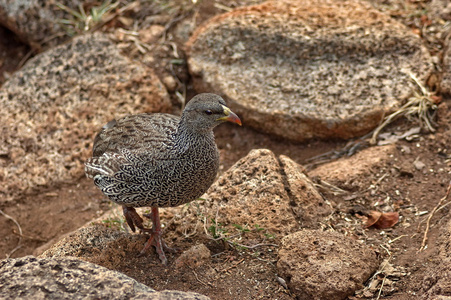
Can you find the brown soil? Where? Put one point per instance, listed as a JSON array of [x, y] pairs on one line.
[[45, 215]]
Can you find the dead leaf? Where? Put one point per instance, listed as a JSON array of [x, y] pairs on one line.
[[372, 218], [436, 99], [382, 220]]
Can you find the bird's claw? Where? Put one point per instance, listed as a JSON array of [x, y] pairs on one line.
[[133, 219]]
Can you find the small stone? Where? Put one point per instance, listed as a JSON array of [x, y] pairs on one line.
[[405, 149], [193, 257], [151, 34], [419, 165], [169, 82], [407, 170]]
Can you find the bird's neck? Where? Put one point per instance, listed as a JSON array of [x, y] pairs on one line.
[[187, 137]]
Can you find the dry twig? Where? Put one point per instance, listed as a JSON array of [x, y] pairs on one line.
[[204, 283], [20, 233], [426, 231], [257, 245], [232, 266], [382, 286]]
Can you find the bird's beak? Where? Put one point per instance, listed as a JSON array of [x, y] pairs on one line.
[[230, 116]]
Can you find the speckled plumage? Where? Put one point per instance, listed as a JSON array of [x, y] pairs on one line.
[[159, 160]]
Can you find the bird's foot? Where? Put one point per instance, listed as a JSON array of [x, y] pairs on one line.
[[155, 237], [159, 244], [133, 219]]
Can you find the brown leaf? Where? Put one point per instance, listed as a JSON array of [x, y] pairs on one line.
[[387, 220], [372, 218], [382, 220]]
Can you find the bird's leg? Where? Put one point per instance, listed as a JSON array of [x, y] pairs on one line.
[[165, 247], [155, 237], [133, 219]]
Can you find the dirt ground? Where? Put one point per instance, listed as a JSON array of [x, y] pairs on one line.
[[411, 183]]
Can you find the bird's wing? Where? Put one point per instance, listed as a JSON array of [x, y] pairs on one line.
[[143, 132], [126, 147], [124, 175]]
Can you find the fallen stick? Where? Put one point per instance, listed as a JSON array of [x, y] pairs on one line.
[[233, 266], [20, 233], [426, 231]]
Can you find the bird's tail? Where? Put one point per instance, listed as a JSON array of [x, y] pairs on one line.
[[107, 164]]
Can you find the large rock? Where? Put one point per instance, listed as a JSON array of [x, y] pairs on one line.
[[308, 69], [69, 278], [89, 242], [307, 203], [53, 107], [260, 190], [35, 22], [324, 265], [252, 192]]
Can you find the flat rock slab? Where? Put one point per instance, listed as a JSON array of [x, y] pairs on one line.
[[69, 278], [53, 107], [308, 69], [324, 265], [35, 22]]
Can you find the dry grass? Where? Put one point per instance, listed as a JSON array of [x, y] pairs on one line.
[[420, 107]]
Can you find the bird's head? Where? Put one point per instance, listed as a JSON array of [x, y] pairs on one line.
[[206, 111]]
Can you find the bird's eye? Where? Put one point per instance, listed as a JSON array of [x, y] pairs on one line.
[[208, 112]]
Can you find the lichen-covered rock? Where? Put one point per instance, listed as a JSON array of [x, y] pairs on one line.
[[258, 191], [53, 107], [87, 242], [253, 192], [308, 69], [307, 203], [69, 278], [35, 22], [324, 265]]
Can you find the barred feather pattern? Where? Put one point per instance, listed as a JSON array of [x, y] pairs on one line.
[[157, 160]]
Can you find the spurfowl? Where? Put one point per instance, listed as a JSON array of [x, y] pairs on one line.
[[159, 160]]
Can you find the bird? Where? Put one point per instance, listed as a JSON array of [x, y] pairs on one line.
[[159, 160]]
